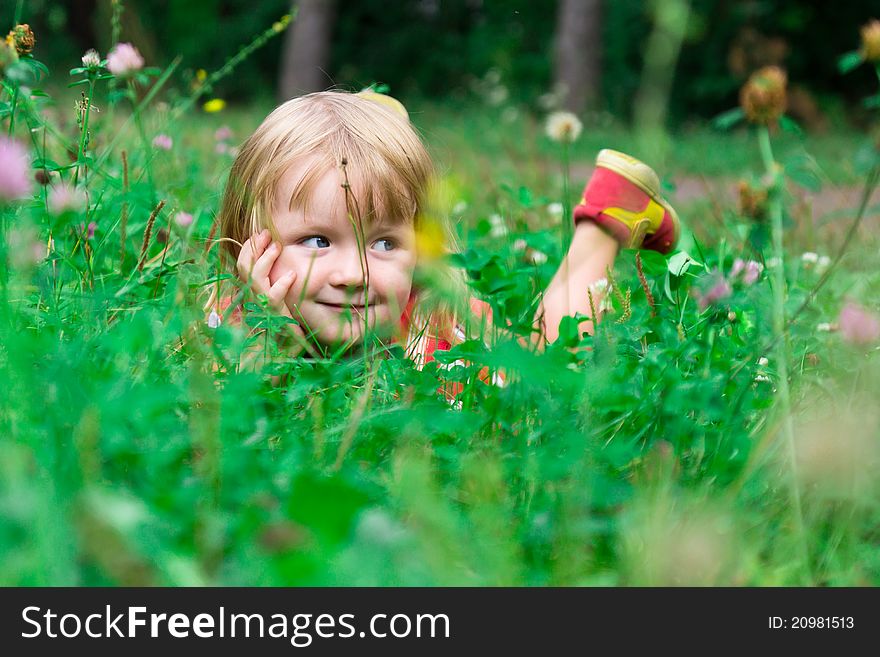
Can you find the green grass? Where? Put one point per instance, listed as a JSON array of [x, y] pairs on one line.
[[135, 450]]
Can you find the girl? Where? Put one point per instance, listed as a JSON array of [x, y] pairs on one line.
[[325, 205]]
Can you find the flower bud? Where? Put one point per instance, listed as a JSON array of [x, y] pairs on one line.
[[763, 97], [871, 41]]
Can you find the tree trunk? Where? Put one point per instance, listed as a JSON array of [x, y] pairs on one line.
[[306, 52], [578, 52]]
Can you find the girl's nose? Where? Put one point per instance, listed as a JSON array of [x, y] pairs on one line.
[[347, 270]]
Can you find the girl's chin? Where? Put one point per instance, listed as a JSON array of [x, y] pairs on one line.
[[352, 332]]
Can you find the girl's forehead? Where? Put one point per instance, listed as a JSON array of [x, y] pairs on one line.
[[314, 192]]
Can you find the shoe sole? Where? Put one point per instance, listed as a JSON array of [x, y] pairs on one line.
[[642, 176]]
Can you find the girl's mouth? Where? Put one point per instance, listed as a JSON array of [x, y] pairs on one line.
[[340, 307]]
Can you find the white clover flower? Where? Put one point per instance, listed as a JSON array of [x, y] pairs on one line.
[[762, 361], [213, 319], [499, 228], [563, 127], [825, 327], [772, 262], [809, 258], [762, 377], [599, 285], [555, 210], [91, 59], [459, 208], [537, 257], [823, 263], [520, 245]]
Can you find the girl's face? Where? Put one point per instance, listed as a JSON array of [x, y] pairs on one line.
[[332, 293]]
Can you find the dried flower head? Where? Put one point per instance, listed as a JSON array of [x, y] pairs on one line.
[[563, 127], [22, 38], [752, 201], [858, 325], [43, 177], [763, 97], [15, 180], [124, 59], [91, 59], [871, 41]]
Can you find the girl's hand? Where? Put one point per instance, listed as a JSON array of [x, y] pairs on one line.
[[255, 261]]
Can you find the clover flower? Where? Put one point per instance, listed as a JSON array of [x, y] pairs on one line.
[[809, 258], [213, 319], [498, 227], [88, 230], [124, 59], [22, 38], [763, 97], [223, 133], [66, 198], [718, 289], [858, 325], [163, 142], [183, 219], [750, 270], [15, 181], [91, 59], [537, 257], [871, 41], [563, 127]]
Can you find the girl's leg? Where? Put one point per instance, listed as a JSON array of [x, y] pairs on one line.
[[621, 205], [590, 255]]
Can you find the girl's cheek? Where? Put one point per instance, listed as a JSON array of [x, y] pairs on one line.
[[284, 263]]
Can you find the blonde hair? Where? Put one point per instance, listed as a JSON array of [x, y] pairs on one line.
[[343, 131]]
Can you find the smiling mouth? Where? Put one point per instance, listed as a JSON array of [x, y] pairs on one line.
[[345, 306]]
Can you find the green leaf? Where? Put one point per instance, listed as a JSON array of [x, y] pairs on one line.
[[849, 61], [790, 125], [872, 101], [680, 262], [728, 119]]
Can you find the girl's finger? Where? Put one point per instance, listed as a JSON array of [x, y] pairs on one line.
[[261, 241], [245, 258], [264, 262], [278, 292]]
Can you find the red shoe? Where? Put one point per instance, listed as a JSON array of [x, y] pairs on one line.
[[623, 198]]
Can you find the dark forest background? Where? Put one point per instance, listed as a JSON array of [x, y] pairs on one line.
[[441, 49]]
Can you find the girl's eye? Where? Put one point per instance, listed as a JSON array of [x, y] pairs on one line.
[[383, 245], [316, 242]]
